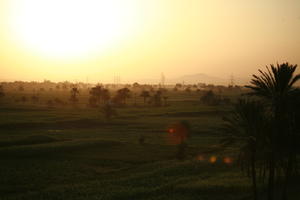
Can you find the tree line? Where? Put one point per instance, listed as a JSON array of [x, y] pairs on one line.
[[265, 124]]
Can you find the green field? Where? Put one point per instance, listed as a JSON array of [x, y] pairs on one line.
[[74, 153]]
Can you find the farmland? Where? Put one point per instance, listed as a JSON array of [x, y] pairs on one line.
[[73, 152]]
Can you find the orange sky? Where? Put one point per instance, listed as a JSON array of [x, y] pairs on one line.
[[137, 39]]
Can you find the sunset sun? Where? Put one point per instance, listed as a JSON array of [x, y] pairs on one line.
[[72, 28]]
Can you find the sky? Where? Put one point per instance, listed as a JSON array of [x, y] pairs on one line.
[[95, 40]]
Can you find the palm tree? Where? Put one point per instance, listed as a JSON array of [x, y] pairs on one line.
[[123, 94], [246, 127], [145, 94], [188, 90], [157, 98], [276, 86], [96, 93], [105, 95], [74, 92]]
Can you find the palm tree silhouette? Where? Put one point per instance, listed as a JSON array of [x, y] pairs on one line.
[[157, 98], [246, 127], [105, 95], [145, 94], [74, 92], [123, 94], [276, 87], [96, 93]]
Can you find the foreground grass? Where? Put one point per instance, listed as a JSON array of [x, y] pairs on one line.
[[112, 170], [73, 153]]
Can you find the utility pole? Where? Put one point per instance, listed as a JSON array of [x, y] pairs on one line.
[[117, 80]]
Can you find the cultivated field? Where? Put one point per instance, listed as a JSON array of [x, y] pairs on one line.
[[73, 152]]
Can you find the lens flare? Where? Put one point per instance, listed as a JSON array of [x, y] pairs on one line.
[[171, 130], [177, 133], [200, 158], [213, 159], [228, 160]]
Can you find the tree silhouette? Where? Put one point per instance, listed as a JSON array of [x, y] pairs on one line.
[[209, 98], [246, 127], [276, 87], [188, 90], [73, 98], [93, 101], [145, 94], [135, 85], [178, 85], [123, 94], [96, 93], [157, 98], [105, 95], [99, 95]]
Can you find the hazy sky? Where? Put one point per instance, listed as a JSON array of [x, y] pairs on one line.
[[136, 39]]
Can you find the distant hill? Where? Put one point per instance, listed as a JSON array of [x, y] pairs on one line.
[[199, 78]]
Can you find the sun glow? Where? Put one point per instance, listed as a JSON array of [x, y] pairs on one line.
[[72, 28]]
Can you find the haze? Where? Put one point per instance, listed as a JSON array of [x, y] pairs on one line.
[[140, 39]]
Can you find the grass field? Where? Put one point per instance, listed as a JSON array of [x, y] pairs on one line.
[[74, 153]]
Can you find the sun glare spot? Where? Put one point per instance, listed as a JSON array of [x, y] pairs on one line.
[[171, 130], [200, 158], [227, 160], [213, 159], [67, 28]]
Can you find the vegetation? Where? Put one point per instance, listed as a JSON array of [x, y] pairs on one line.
[[145, 94], [276, 88], [108, 111], [74, 93], [268, 128], [2, 94], [161, 144], [246, 128]]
